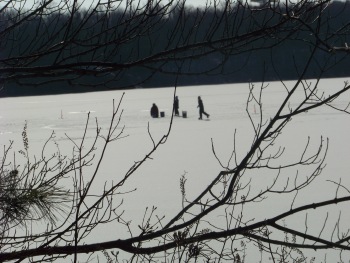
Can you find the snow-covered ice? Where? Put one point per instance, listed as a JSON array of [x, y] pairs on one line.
[[189, 146]]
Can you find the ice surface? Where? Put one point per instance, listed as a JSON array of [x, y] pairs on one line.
[[189, 147]]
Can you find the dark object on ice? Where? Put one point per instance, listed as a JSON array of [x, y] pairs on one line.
[[162, 114], [176, 106], [201, 108], [154, 111], [184, 114]]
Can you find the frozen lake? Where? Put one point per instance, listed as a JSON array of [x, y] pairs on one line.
[[189, 147]]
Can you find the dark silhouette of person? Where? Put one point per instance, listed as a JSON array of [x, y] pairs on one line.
[[176, 106], [201, 108], [154, 111]]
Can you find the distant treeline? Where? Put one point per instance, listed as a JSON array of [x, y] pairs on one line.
[[260, 60]]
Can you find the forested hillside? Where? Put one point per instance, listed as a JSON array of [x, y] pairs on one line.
[[118, 49]]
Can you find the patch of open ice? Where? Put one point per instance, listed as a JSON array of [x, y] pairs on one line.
[[80, 112], [6, 132]]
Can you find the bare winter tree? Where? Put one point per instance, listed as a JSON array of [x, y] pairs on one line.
[[91, 45], [101, 45]]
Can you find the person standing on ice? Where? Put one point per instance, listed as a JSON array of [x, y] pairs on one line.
[[154, 111], [176, 106], [201, 108]]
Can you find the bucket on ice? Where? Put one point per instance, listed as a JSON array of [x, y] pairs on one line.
[[184, 114], [162, 114]]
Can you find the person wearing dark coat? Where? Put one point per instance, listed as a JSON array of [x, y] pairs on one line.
[[176, 106], [201, 108], [154, 111]]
